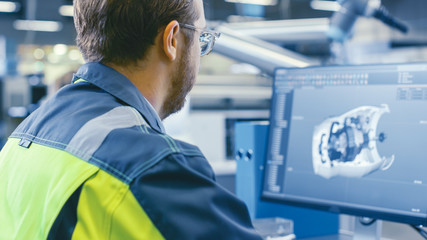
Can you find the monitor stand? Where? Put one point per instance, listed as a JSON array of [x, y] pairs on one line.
[[367, 229], [364, 229]]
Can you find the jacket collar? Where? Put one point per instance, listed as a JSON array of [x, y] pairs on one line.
[[120, 87]]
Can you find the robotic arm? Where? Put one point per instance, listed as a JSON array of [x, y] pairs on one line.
[[342, 21]]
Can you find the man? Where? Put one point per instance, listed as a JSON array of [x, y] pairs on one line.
[[94, 162]]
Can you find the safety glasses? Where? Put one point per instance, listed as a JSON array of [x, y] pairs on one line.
[[207, 38]]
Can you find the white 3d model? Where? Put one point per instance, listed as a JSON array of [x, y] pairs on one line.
[[346, 145]]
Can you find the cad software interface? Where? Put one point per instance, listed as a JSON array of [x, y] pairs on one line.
[[353, 137]]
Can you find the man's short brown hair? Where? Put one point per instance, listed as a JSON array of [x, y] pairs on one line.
[[121, 31]]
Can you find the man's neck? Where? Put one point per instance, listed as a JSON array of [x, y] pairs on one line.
[[150, 80]]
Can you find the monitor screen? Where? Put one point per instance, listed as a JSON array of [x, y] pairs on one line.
[[350, 139]]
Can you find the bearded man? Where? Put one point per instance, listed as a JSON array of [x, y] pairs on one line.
[[94, 162]]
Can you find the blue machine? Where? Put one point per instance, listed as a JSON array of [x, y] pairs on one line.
[[251, 145]]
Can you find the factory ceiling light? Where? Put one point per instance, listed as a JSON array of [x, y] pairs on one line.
[[37, 25], [9, 7], [66, 10], [332, 6], [255, 2]]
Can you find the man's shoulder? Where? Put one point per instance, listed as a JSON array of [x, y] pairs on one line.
[[143, 139], [132, 151], [107, 133]]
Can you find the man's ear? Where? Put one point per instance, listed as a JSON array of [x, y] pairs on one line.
[[170, 39]]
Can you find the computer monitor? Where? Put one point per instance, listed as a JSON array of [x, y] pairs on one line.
[[350, 139]]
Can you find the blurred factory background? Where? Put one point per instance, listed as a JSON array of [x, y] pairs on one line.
[[38, 55]]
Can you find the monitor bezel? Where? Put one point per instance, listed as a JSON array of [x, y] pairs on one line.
[[324, 205]]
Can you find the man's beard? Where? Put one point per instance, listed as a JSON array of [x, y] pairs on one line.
[[181, 84]]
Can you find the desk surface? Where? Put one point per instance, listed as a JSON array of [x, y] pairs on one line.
[[390, 231], [335, 237], [330, 237]]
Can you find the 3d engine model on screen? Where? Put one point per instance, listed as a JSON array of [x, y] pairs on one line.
[[347, 145]]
